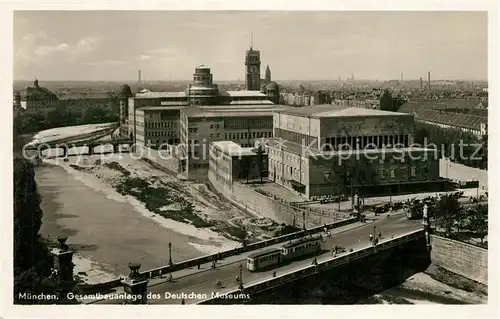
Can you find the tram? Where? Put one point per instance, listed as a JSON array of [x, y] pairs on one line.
[[275, 257]]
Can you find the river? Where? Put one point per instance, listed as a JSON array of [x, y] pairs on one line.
[[105, 230]]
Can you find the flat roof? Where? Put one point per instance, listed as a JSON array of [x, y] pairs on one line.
[[161, 108], [243, 93], [231, 111], [233, 149], [327, 110], [150, 94], [299, 149], [264, 252]]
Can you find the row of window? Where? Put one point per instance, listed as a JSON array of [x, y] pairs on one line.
[[247, 135], [199, 166], [161, 124], [355, 142], [171, 141], [161, 133]]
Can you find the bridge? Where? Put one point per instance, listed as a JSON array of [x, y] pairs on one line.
[[198, 285], [90, 145]]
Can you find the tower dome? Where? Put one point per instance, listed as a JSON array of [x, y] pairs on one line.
[[272, 86]]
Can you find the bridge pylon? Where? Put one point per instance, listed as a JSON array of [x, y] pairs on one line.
[[135, 285]]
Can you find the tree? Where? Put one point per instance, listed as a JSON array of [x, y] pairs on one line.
[[260, 160], [31, 257], [478, 221], [352, 173], [386, 101], [125, 92], [447, 210], [245, 167]]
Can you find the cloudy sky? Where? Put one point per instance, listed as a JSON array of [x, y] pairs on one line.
[[113, 45]]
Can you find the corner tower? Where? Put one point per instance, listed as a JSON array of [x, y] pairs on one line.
[[252, 64]]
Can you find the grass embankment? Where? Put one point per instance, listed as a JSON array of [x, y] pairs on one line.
[[167, 200], [157, 199]]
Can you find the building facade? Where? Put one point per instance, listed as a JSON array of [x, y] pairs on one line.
[[314, 148], [202, 92], [229, 161], [157, 126], [200, 126]]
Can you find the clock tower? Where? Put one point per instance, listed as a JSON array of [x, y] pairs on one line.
[[252, 66]]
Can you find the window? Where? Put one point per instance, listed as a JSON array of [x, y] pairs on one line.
[[413, 172], [392, 173], [211, 126]]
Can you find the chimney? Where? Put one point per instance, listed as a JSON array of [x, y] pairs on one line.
[[139, 77], [421, 85], [401, 77], [429, 80]]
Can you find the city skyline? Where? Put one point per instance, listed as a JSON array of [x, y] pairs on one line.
[[294, 45]]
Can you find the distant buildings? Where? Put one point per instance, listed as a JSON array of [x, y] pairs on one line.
[[36, 99], [40, 99], [466, 115]]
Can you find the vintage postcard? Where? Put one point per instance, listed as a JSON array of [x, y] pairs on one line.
[[309, 158]]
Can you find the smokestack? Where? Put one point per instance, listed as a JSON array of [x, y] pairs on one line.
[[429, 80], [421, 84], [401, 77], [139, 77]]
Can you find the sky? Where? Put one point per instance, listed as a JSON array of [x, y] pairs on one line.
[[168, 45]]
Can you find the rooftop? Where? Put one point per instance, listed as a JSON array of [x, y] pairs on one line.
[[233, 149], [328, 110], [310, 152], [242, 93], [161, 108], [150, 94], [231, 111]]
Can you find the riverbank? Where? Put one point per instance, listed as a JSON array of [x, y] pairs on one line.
[[151, 206]]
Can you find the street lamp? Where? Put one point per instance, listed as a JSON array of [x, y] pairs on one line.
[[170, 253], [241, 277], [375, 238], [304, 220]]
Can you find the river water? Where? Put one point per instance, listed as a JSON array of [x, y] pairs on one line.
[[106, 231]]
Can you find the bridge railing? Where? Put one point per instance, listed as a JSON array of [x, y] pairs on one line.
[[269, 283], [239, 250], [156, 272], [76, 138]]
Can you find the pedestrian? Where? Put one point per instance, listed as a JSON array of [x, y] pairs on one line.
[[371, 237], [198, 264], [183, 302], [274, 274]]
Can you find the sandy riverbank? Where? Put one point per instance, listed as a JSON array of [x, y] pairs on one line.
[[100, 252]]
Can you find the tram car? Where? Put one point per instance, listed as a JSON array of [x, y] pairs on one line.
[[274, 257]]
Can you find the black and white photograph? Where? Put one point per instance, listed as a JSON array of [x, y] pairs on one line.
[[249, 157]]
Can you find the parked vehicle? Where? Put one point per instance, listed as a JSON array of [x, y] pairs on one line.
[[274, 257]]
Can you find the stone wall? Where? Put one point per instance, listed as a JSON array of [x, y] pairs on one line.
[[461, 258], [161, 158], [248, 199]]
